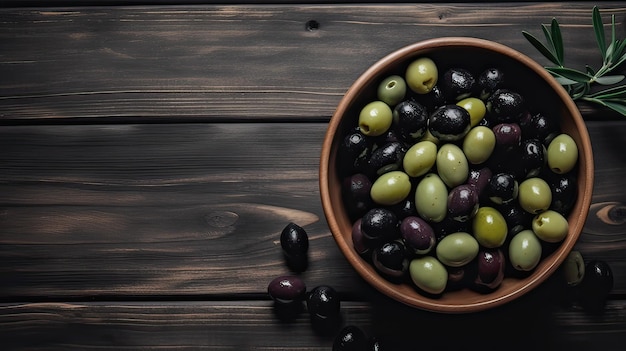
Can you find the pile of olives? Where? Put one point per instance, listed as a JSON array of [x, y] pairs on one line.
[[452, 179]]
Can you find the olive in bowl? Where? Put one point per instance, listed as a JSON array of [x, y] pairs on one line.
[[532, 91]]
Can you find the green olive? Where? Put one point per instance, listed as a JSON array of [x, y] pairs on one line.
[[390, 188], [452, 165], [375, 118], [574, 268], [525, 250], [420, 158], [457, 249], [392, 90], [478, 144], [562, 154], [428, 274], [489, 227], [421, 75], [534, 195], [550, 226], [475, 107], [431, 198]]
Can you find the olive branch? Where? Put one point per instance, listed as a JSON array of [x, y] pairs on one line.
[[579, 83]]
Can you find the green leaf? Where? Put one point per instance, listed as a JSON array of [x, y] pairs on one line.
[[590, 70], [541, 48], [598, 28], [610, 80], [616, 106], [565, 81], [569, 73], [557, 40], [611, 93]]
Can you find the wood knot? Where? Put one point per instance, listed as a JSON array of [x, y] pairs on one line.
[[221, 219]]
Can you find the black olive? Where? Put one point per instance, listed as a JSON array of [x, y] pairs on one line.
[[564, 192], [324, 306], [379, 225], [286, 289], [539, 126], [411, 120], [506, 160], [515, 216], [457, 84], [356, 191], [449, 123], [350, 338], [479, 178], [404, 208], [433, 99], [596, 285], [533, 157], [503, 188], [355, 147], [295, 244], [390, 259], [489, 81], [386, 158], [506, 105], [361, 246]]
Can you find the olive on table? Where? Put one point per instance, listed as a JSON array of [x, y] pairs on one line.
[[294, 242], [489, 81], [596, 286], [324, 307], [562, 154], [525, 251], [287, 289], [379, 225], [573, 268], [452, 165], [550, 226], [391, 188], [457, 84], [462, 202], [392, 90], [411, 120], [431, 198], [534, 195], [478, 144], [375, 118], [420, 158], [350, 338], [506, 105], [457, 249], [421, 75], [418, 235], [489, 227], [428, 274], [476, 108], [449, 123]]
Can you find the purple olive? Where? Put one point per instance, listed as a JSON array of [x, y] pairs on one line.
[[357, 194], [417, 234], [462, 202], [507, 134], [479, 178], [350, 338], [390, 259], [491, 264], [358, 240], [287, 289]]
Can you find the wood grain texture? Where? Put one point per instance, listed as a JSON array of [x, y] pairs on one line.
[[239, 62], [195, 209], [223, 325]]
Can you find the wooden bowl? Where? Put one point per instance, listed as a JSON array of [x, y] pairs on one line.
[[525, 76]]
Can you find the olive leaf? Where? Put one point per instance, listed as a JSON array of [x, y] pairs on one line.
[[579, 83]]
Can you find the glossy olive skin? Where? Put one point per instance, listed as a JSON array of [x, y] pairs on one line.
[[491, 265], [539, 126], [323, 302], [564, 192], [431, 198], [550, 226], [489, 227], [479, 178], [433, 99], [478, 144], [489, 81], [294, 241], [525, 251], [418, 235], [596, 286], [573, 268], [390, 259], [452, 165], [420, 158], [507, 134], [350, 338], [410, 119], [355, 149], [287, 289], [457, 249], [386, 158], [359, 242], [462, 202], [457, 84], [356, 191], [392, 90], [379, 225], [428, 274], [375, 118], [533, 157], [421, 75], [449, 123], [534, 195], [502, 188], [390, 188], [506, 105], [516, 217], [562, 154]]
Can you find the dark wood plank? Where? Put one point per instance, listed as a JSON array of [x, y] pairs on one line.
[[194, 209], [223, 325], [218, 62]]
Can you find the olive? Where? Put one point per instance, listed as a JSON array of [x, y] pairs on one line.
[[596, 286], [506, 105], [457, 249], [358, 240], [564, 192], [550, 226], [502, 188], [324, 307], [525, 251], [457, 84], [534, 195], [450, 225], [478, 144], [462, 202], [488, 81], [355, 151], [532, 157], [489, 227], [404, 208], [420, 158], [390, 259], [391, 188], [350, 338], [479, 178], [357, 194], [516, 217], [491, 264], [449, 123], [417, 234], [562, 154], [375, 118], [295, 245], [538, 126], [431, 198], [392, 90], [428, 274], [421, 75], [411, 120], [452, 165], [380, 224], [506, 160], [432, 99], [507, 134], [573, 268], [287, 289], [386, 158], [475, 107]]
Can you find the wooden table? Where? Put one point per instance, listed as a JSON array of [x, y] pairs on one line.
[[151, 154]]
